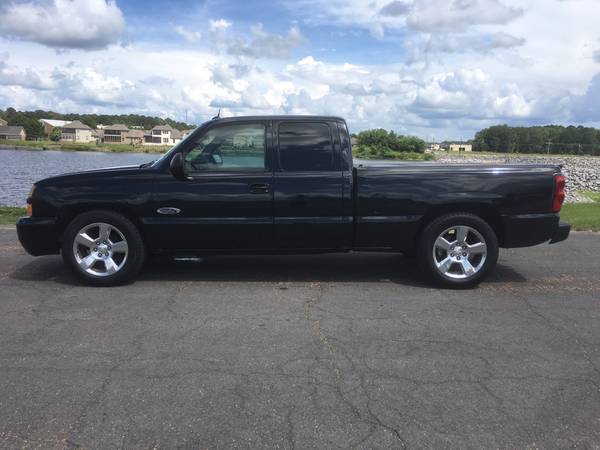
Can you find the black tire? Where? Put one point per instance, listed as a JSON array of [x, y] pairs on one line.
[[428, 251], [131, 260]]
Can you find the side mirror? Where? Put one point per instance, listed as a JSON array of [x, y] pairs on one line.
[[177, 167]]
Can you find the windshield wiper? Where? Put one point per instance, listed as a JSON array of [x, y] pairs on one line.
[[148, 164]]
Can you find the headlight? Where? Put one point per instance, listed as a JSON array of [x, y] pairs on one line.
[[29, 201]]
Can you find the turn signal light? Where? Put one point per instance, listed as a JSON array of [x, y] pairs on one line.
[[559, 193]]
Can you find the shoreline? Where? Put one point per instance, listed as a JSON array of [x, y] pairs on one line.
[[41, 146]]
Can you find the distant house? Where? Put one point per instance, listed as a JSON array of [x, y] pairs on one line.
[[51, 124], [461, 148], [78, 132], [434, 147], [3, 122], [186, 133], [134, 137], [115, 134], [12, 133], [162, 135]]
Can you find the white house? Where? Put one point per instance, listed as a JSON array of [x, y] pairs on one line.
[[77, 132]]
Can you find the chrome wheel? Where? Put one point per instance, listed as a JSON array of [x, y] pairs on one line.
[[459, 252], [100, 249]]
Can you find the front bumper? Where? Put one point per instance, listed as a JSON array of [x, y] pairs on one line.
[[39, 235], [533, 229]]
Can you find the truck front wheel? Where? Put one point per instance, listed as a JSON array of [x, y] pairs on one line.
[[458, 250], [103, 247]]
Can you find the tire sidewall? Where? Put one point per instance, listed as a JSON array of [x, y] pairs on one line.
[[136, 251], [435, 228]]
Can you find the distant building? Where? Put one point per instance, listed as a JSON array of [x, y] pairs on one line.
[[461, 148], [51, 124], [115, 134], [78, 132], [434, 147], [3, 122], [162, 135], [12, 133], [134, 137]]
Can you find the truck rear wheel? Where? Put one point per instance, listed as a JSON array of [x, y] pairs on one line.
[[458, 250], [103, 247]]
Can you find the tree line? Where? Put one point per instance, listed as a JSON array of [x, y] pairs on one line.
[[538, 139], [380, 143], [30, 120]]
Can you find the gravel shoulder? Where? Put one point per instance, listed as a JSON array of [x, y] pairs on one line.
[[330, 351]]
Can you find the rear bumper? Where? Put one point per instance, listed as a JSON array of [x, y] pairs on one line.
[[533, 229], [562, 232], [39, 235]]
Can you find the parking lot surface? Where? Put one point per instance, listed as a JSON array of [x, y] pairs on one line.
[[331, 351]]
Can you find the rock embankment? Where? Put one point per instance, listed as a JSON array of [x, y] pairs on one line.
[[582, 172]]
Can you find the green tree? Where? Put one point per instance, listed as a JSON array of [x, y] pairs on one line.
[[55, 134]]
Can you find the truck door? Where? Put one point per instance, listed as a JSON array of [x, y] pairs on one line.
[[309, 187], [227, 204]]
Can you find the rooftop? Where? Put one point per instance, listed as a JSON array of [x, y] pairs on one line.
[[76, 124], [10, 129], [54, 122], [117, 127]]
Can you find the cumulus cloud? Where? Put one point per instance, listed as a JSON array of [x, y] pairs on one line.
[[188, 35], [22, 77], [64, 24], [456, 15], [262, 44], [395, 9], [218, 24]]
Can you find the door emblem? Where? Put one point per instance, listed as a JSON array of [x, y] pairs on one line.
[[168, 210]]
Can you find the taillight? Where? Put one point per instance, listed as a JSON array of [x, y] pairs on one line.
[[559, 193], [30, 201]]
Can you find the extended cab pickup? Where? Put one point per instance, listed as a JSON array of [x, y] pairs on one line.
[[288, 184]]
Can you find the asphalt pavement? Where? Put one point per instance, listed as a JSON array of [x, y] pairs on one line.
[[327, 351]]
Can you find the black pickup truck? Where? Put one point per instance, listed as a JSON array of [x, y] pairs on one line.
[[288, 184]]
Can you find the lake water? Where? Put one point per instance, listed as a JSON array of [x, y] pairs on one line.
[[19, 169]]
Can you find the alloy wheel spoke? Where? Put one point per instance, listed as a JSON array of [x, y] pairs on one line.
[[87, 262], [478, 248], [85, 240], [119, 247], [444, 265], [111, 266], [443, 244], [461, 234], [467, 267], [104, 231]]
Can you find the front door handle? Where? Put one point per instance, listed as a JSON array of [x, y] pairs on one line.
[[259, 188]]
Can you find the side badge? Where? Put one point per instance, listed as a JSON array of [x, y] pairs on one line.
[[168, 210]]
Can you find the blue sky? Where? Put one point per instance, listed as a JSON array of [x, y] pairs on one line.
[[439, 69]]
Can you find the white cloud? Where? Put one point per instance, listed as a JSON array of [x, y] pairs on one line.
[[520, 72], [218, 24], [457, 15], [265, 45], [188, 35], [64, 24]]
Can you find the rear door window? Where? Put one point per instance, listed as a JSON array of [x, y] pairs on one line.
[[305, 146]]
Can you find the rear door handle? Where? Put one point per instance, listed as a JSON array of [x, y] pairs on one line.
[[259, 188]]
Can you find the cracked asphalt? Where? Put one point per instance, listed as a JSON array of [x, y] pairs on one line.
[[332, 351]]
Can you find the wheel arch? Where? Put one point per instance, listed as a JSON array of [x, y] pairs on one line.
[[483, 210], [68, 213]]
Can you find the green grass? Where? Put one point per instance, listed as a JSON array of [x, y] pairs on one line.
[[582, 216], [68, 146], [10, 214]]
